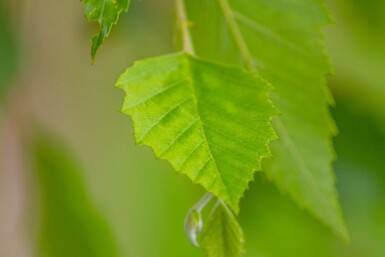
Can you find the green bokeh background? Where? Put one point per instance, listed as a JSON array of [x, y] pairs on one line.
[[130, 205]]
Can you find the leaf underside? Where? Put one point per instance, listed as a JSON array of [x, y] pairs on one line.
[[282, 40], [221, 235], [105, 13], [211, 122]]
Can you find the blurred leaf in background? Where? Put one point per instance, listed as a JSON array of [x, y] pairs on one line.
[[275, 227], [357, 47], [8, 50], [361, 171], [69, 225]]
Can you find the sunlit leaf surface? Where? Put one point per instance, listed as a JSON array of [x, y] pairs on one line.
[[211, 122]]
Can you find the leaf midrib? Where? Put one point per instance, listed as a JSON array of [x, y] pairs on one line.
[[102, 12], [190, 72]]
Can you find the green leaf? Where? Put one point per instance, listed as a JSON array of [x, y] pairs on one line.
[[211, 122], [106, 13], [69, 223], [221, 235], [282, 41]]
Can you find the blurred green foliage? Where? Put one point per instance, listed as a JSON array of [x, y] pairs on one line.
[[70, 225], [8, 50], [275, 227], [357, 47]]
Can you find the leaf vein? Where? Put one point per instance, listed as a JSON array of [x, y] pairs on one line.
[[156, 94], [165, 115]]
